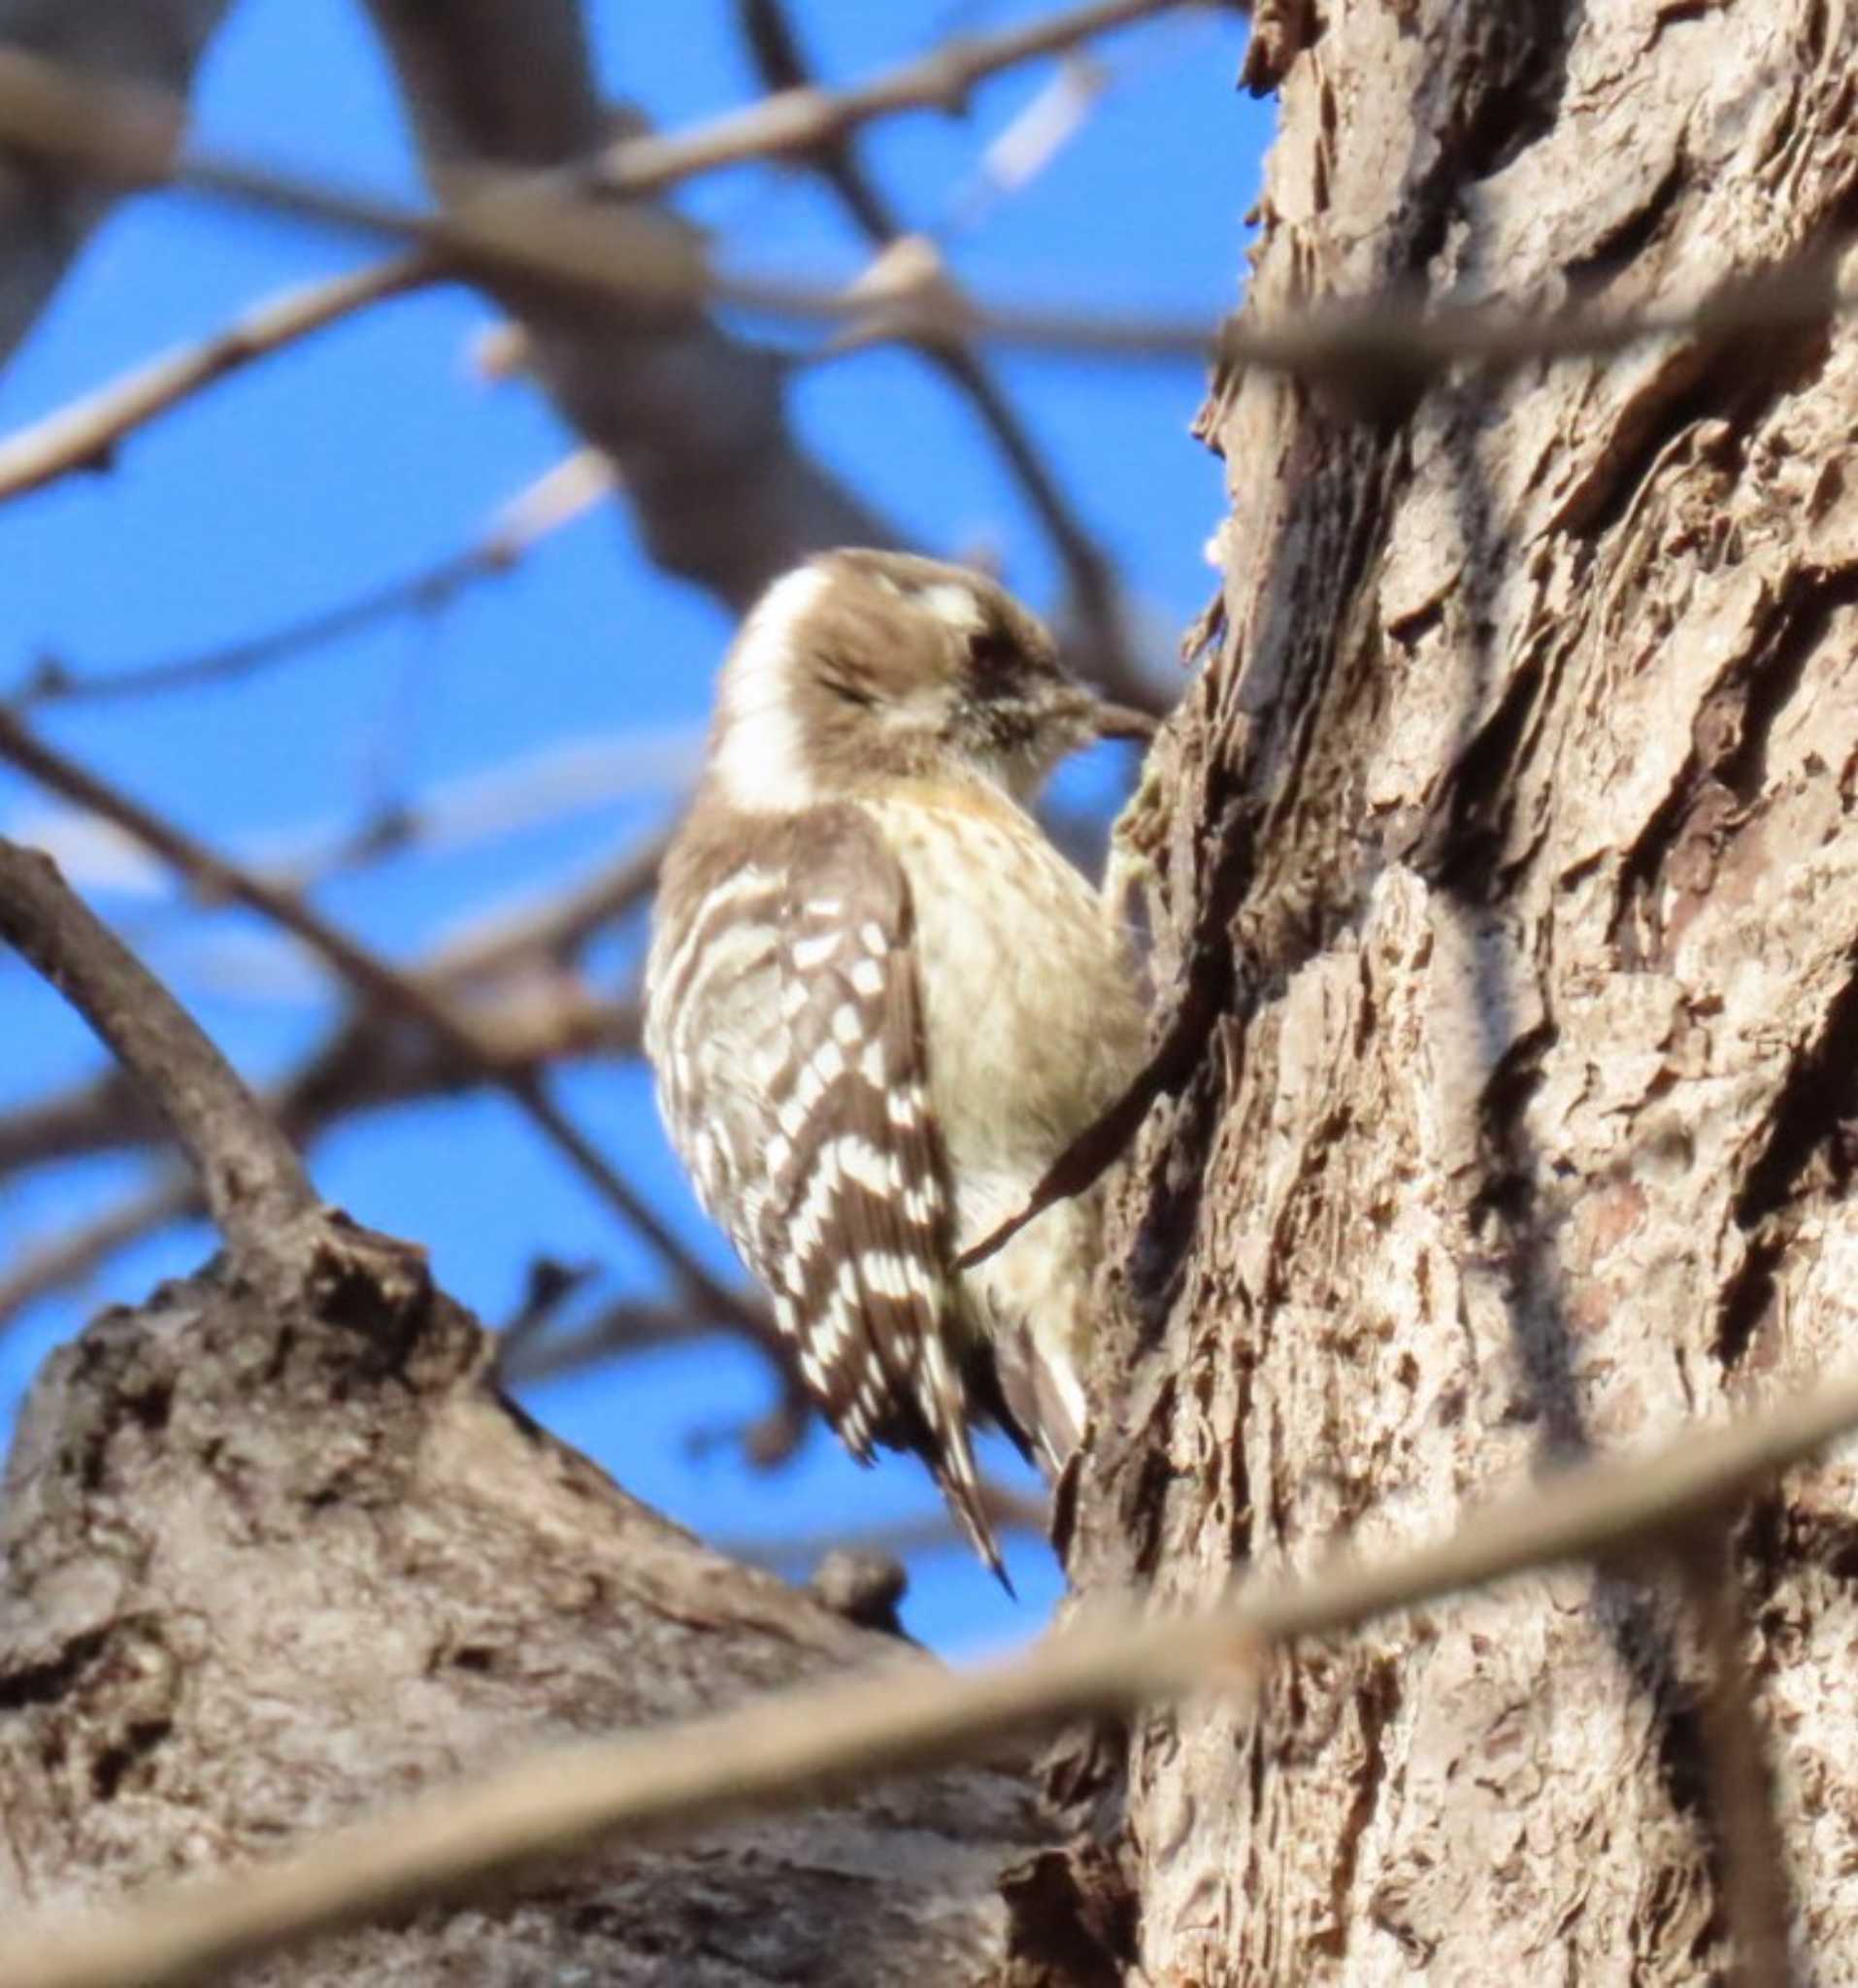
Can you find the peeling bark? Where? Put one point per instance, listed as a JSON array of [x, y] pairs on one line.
[[1511, 852]]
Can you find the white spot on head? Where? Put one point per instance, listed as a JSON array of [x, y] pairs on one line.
[[760, 757], [949, 600]]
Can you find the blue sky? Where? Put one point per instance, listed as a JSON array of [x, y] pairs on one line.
[[377, 449]]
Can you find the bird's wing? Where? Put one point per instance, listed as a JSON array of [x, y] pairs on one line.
[[854, 1231]]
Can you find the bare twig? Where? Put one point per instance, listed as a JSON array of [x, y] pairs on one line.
[[75, 1254], [252, 1178], [696, 418], [1030, 141], [767, 1440], [551, 1284], [386, 988], [99, 1116], [515, 230], [517, 527], [85, 434], [798, 121], [560, 927], [1007, 1511], [798, 1745], [358, 1067], [626, 1326], [629, 1325], [425, 592], [159, 43], [547, 1017]]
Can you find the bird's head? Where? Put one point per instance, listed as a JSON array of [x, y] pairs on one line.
[[862, 664]]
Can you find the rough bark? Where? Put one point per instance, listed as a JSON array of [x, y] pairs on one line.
[[1510, 850], [273, 1553], [43, 222]]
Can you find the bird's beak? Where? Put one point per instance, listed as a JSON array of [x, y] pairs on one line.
[[1088, 717], [1122, 721]]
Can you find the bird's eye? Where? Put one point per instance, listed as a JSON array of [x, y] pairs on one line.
[[851, 693], [991, 653]]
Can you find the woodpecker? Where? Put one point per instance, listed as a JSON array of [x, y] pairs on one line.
[[879, 1003]]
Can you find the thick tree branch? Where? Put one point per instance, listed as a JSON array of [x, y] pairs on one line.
[[252, 1178], [257, 1516]]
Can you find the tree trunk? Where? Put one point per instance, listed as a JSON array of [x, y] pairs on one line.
[[1510, 850]]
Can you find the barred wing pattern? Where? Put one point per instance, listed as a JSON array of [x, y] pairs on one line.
[[828, 1175]]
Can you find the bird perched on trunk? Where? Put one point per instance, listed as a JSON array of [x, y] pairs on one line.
[[880, 1004]]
